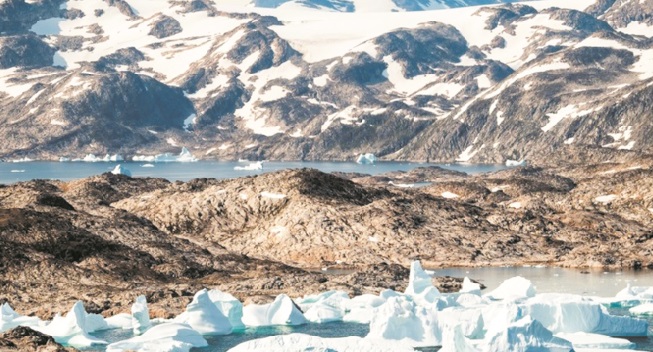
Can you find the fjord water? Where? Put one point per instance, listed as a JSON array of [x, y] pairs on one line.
[[174, 171]]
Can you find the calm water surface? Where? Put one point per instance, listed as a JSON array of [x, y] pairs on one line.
[[174, 171]]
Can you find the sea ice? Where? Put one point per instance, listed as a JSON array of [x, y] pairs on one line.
[[167, 337], [366, 159], [204, 316], [301, 342], [282, 311]]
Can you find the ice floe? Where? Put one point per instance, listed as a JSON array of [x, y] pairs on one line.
[[167, 337], [251, 167]]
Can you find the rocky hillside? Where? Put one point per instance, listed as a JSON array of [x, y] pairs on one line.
[[280, 81], [108, 238]]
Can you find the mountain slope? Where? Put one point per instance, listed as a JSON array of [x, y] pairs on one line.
[[474, 84]]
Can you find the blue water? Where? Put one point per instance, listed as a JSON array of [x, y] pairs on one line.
[[14, 172]]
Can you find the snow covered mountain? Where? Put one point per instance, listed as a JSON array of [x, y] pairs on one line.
[[363, 5], [228, 80]]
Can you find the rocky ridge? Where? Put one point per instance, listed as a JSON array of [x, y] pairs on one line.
[[108, 238]]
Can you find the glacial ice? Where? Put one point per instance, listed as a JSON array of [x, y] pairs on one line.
[[302, 342], [251, 167], [470, 287], [642, 309], [513, 289], [184, 156], [366, 159], [74, 328], [119, 321], [420, 287], [587, 340], [91, 158], [230, 307], [9, 319], [140, 315], [282, 311], [203, 316], [167, 337], [527, 335], [121, 170]]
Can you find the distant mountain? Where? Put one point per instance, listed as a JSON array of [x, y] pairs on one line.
[[367, 5], [472, 84]]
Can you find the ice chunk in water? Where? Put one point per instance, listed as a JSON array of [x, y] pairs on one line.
[[282, 311], [167, 337]]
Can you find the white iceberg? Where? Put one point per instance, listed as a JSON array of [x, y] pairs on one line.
[[526, 335], [73, 329], [400, 319], [121, 170], [282, 311], [167, 337], [140, 316], [230, 307], [572, 313], [470, 287], [251, 167], [184, 156], [366, 159], [9, 319], [361, 308], [301, 342], [119, 321], [513, 289], [91, 158], [642, 309], [204, 316], [420, 287]]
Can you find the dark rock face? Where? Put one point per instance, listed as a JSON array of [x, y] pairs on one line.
[[27, 51], [25, 339], [128, 57], [165, 26]]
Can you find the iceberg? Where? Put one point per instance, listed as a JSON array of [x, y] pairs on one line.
[[73, 329], [9, 319], [366, 159], [282, 311], [642, 309], [515, 288], [470, 287], [166, 337], [401, 319], [121, 170], [527, 335], [420, 287], [251, 167], [91, 158], [204, 316], [230, 307], [140, 321], [184, 156], [361, 308], [572, 313], [119, 321], [302, 342]]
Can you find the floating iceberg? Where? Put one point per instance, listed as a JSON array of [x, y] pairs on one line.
[[140, 316], [204, 316], [400, 319], [9, 319], [167, 337], [515, 162], [251, 167], [642, 309], [184, 156], [282, 311], [513, 289], [470, 287], [527, 335], [366, 159], [230, 307], [119, 321], [91, 158], [585, 340], [73, 329], [121, 170], [301, 342], [420, 287]]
